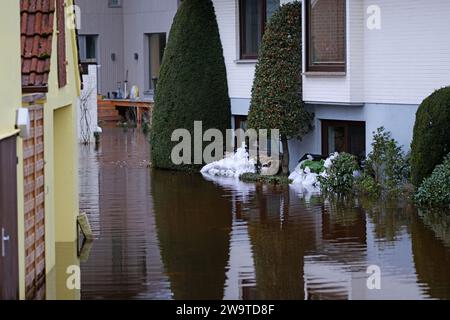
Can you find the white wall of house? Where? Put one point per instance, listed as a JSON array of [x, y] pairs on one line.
[[142, 17], [397, 118], [98, 19], [400, 63], [389, 70], [408, 58], [123, 31]]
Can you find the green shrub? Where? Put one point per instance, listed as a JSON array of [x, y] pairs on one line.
[[366, 185], [314, 166], [339, 177], [276, 94], [192, 84], [435, 190], [385, 164], [274, 180], [431, 139]]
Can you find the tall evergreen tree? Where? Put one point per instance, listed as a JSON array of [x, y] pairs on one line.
[[276, 95], [192, 85]]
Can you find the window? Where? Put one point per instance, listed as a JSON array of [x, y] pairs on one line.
[[253, 15], [114, 3], [344, 136], [325, 22], [156, 46], [88, 48]]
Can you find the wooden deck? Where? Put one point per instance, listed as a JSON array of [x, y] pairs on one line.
[[108, 109]]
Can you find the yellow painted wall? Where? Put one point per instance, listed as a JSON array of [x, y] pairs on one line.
[[10, 72], [61, 149], [11, 99], [60, 134]]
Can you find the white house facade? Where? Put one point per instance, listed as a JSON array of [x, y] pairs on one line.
[[126, 39], [365, 65]]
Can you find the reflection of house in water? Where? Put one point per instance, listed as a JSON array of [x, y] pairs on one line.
[[340, 255], [240, 283], [124, 261]]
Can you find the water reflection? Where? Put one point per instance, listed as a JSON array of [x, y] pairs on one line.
[[162, 235], [193, 223]]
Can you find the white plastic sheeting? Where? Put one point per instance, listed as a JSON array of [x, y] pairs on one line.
[[233, 165], [306, 181]]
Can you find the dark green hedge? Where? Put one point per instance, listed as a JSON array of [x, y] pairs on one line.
[[276, 94], [431, 140], [192, 84], [435, 189]]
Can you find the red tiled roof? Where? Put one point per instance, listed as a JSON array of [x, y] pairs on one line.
[[36, 41]]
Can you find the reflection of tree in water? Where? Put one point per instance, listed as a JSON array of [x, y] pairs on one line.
[[193, 221], [431, 256], [279, 240], [343, 221], [439, 222], [388, 217]]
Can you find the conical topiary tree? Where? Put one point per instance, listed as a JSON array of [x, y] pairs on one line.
[[276, 94], [192, 84]]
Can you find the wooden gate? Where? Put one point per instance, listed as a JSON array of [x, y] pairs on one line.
[[9, 264], [34, 192]]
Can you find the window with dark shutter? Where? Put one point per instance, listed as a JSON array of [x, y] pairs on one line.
[[61, 23]]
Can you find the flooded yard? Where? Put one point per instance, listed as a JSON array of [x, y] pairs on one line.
[[165, 235]]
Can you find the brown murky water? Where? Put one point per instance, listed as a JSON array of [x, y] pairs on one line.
[[164, 235]]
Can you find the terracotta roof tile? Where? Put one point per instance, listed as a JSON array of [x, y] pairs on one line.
[[36, 40]]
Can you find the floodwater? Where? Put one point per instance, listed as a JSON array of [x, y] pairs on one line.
[[165, 235]]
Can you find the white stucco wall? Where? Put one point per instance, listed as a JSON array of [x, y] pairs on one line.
[[408, 58], [122, 31], [397, 118], [142, 17], [107, 23], [400, 63]]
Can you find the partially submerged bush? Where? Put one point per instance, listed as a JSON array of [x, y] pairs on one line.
[[339, 177], [366, 185], [431, 140], [314, 166], [384, 169], [435, 190], [274, 180]]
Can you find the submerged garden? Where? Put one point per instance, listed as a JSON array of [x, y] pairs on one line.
[[226, 229], [193, 87]]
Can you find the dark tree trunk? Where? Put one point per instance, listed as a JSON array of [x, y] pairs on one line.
[[285, 158]]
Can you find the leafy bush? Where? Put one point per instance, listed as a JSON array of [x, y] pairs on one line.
[[435, 190], [339, 177], [274, 180], [385, 164], [367, 185], [431, 139], [192, 84], [314, 166], [276, 94]]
